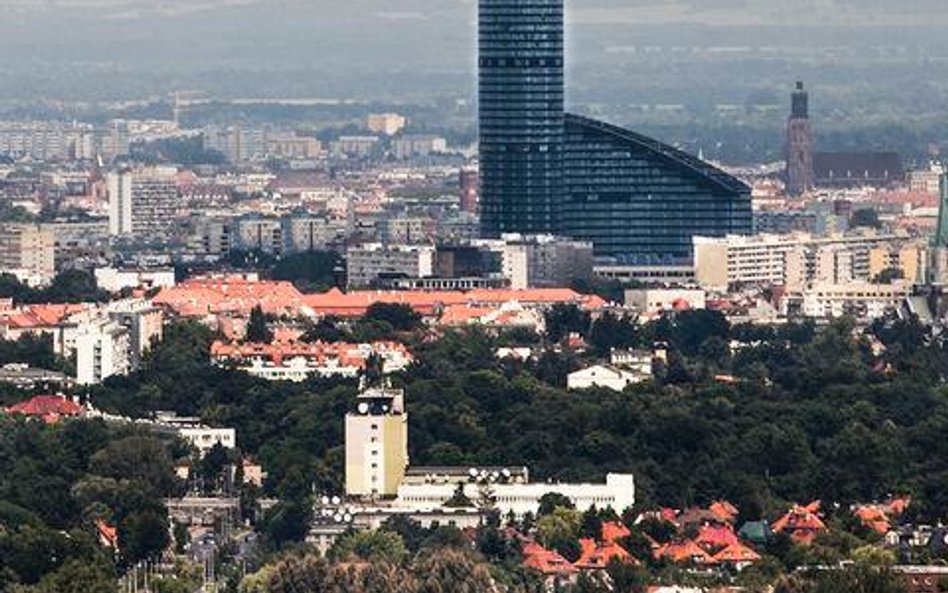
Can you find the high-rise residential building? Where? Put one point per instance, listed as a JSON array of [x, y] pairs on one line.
[[142, 203], [800, 174], [256, 233], [28, 251], [120, 203], [468, 182], [376, 434], [521, 90]]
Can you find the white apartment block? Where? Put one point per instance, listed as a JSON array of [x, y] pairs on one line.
[[859, 299], [618, 493], [47, 141], [410, 146], [103, 349], [143, 202], [28, 251], [799, 260], [371, 262]]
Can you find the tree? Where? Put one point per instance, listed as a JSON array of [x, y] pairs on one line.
[[76, 576], [257, 330], [551, 501], [591, 526], [309, 270], [610, 332], [143, 535], [562, 320], [451, 570], [399, 316], [370, 546]]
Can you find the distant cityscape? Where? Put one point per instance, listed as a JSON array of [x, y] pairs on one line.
[[243, 350]]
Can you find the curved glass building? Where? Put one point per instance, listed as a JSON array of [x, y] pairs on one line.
[[544, 172], [520, 114], [634, 197]]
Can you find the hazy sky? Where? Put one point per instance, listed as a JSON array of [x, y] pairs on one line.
[[853, 12]]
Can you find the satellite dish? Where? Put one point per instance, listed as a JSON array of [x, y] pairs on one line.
[[336, 500], [506, 472], [472, 472], [363, 408], [347, 518], [324, 500], [337, 518]]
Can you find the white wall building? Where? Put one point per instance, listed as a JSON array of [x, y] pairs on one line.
[[116, 280], [654, 301], [103, 349], [204, 439], [618, 492], [606, 376], [369, 263]]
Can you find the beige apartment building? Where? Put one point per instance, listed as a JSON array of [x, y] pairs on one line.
[[28, 251], [376, 443]]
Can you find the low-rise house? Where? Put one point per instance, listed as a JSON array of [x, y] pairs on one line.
[[684, 551], [48, 408], [605, 376], [737, 555], [597, 556], [803, 524]]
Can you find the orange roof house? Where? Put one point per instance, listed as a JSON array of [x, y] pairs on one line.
[[613, 531], [724, 511], [879, 517], [801, 523], [598, 556], [737, 554], [546, 562], [716, 537], [49, 408], [684, 551]]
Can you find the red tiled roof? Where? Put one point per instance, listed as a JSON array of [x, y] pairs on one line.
[[203, 296], [737, 553], [724, 511], [684, 551], [713, 537], [802, 523], [598, 556], [547, 562], [48, 407], [613, 531]]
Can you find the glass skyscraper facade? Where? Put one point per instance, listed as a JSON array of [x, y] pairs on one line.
[[636, 198], [521, 115]]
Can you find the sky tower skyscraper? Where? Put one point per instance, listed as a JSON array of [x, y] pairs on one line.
[[521, 114]]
